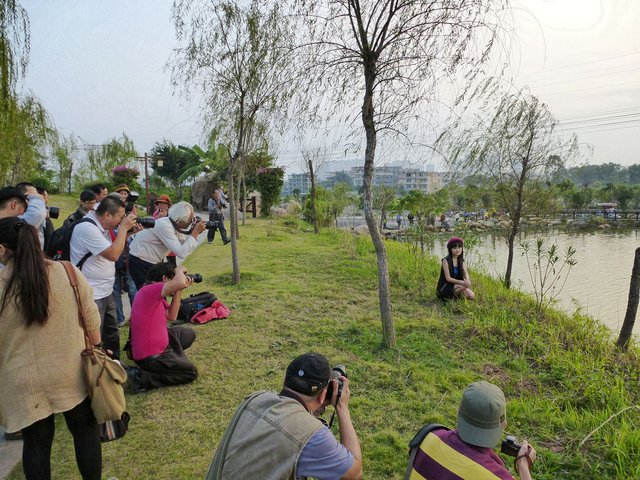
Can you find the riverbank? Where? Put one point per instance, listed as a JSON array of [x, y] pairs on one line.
[[299, 292]]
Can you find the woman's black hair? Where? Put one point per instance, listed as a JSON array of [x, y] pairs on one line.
[[158, 271], [28, 284], [461, 256]]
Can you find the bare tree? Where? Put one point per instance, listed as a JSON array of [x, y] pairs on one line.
[[237, 55], [515, 149], [312, 161], [65, 151], [392, 54]]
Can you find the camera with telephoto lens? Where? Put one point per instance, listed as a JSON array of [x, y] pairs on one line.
[[211, 224], [146, 222], [132, 198], [196, 277], [336, 372], [54, 212], [510, 446]]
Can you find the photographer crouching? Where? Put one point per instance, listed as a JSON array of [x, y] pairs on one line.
[[157, 350], [467, 452], [177, 233], [277, 436]]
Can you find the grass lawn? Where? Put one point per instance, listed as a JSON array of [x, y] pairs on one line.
[[302, 292]]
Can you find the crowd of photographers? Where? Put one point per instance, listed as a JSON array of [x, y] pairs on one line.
[[271, 435]]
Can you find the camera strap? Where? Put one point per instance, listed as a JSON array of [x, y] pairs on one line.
[[175, 225]]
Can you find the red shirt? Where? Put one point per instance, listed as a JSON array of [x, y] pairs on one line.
[[149, 335]]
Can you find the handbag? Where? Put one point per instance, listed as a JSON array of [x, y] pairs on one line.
[[104, 377]]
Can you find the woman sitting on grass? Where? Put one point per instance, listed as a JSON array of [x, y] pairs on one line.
[[454, 279]]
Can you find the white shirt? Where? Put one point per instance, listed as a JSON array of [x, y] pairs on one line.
[[99, 271], [36, 214], [154, 244]]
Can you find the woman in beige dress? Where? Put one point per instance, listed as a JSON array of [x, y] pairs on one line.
[[40, 345]]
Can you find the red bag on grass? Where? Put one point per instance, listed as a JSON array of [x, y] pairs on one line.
[[216, 311]]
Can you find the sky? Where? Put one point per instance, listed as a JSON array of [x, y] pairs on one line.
[[99, 69]]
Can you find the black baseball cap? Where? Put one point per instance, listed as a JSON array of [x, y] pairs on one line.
[[308, 374]]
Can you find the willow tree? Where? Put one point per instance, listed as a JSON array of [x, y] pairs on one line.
[[237, 55], [24, 125], [391, 56], [14, 47], [515, 149]]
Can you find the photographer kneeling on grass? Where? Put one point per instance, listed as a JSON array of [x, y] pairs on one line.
[[438, 453], [177, 233], [278, 437], [157, 350]]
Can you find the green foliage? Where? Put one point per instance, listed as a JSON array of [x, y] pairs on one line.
[[269, 181], [44, 180], [123, 174], [24, 131], [547, 270], [323, 212], [101, 161], [175, 161], [340, 198]]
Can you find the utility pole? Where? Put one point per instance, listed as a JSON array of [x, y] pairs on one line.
[[146, 179]]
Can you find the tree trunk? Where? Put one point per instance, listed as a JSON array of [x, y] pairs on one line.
[[632, 305], [240, 201], [233, 220], [244, 198], [384, 293], [312, 178], [510, 247]]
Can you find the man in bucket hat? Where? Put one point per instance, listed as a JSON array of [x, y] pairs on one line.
[[467, 452], [276, 436]]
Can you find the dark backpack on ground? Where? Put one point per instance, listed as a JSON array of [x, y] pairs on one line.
[[193, 304], [59, 247]]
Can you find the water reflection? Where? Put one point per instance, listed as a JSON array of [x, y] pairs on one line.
[[598, 284]]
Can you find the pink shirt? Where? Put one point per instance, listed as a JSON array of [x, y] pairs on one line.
[[149, 335]]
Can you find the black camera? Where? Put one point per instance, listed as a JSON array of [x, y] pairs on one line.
[[510, 446], [146, 222], [336, 372], [132, 198], [54, 212], [196, 277], [211, 224]]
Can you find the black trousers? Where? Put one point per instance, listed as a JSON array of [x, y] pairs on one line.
[[171, 367], [211, 233], [38, 437], [138, 270]]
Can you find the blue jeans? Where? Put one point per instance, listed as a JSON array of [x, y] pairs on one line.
[[109, 325], [117, 292]]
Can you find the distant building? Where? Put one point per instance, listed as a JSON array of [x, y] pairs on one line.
[[297, 181], [403, 179], [426, 182]]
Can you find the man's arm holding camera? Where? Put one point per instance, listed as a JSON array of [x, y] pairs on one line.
[[166, 233], [348, 436], [524, 461], [174, 286], [117, 246]]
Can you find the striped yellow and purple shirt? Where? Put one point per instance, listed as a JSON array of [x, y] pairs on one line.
[[444, 456]]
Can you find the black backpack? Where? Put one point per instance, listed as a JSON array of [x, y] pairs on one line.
[[59, 247], [193, 304]]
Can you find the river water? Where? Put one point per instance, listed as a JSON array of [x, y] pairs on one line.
[[598, 284]]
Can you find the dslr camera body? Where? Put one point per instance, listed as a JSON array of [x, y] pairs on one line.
[[510, 446], [336, 372]]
